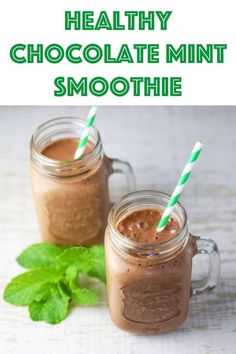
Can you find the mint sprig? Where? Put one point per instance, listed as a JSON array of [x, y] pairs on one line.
[[53, 309], [40, 255], [98, 269], [54, 280]]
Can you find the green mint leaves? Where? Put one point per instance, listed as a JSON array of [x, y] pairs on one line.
[[53, 309], [98, 269], [39, 255], [23, 289], [79, 257], [54, 279]]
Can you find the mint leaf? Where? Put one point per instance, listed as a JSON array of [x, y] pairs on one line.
[[26, 287], [39, 255], [54, 309], [85, 296], [78, 257], [71, 277], [36, 310], [98, 268]]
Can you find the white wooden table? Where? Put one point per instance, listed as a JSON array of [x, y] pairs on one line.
[[156, 141]]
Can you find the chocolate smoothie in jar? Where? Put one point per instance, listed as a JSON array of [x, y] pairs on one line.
[[71, 196], [149, 273]]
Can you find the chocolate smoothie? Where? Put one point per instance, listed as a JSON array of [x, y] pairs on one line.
[[71, 209], [63, 149], [148, 293], [140, 226]]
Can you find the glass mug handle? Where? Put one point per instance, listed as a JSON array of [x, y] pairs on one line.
[[209, 247], [124, 168]]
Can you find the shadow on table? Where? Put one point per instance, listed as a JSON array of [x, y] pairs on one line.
[[214, 310]]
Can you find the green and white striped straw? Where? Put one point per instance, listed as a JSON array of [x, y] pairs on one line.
[[85, 133], [180, 185]]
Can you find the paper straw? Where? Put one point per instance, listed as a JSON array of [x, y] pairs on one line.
[[85, 133], [180, 185]]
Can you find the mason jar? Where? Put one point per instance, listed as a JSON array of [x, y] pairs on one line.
[[149, 285], [72, 197]]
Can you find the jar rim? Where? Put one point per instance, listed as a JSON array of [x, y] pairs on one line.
[[157, 248], [86, 159]]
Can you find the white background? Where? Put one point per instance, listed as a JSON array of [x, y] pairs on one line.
[[200, 21]]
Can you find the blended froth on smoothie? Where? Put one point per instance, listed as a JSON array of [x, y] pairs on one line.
[[63, 149], [140, 226]]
